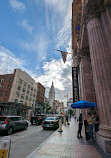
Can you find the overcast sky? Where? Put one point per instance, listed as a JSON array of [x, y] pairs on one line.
[[30, 30]]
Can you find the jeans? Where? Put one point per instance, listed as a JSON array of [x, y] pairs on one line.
[[91, 131]]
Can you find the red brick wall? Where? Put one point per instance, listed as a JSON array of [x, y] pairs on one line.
[[6, 82], [40, 93]]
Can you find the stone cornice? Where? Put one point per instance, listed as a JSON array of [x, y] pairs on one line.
[[93, 8]]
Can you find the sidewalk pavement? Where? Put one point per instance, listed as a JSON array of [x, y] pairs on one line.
[[66, 145]]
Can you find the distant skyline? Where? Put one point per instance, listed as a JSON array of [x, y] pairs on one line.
[[30, 30]]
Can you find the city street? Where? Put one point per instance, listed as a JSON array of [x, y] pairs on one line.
[[25, 142]]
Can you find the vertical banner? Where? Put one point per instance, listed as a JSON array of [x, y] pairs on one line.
[[75, 84]]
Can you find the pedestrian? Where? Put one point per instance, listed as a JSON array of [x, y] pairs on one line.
[[67, 120], [80, 127], [90, 123], [75, 118], [96, 122]]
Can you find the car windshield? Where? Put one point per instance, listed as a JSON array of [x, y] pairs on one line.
[[50, 118], [2, 118]]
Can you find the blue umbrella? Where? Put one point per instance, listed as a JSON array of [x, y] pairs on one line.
[[83, 104]]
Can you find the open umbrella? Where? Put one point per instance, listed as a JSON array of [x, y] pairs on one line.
[[83, 104]]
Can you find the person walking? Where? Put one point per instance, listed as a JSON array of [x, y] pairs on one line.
[[80, 127], [90, 123]]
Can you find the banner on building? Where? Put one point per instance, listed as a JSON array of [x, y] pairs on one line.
[[75, 84]]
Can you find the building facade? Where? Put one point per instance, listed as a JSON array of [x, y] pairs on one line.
[[18, 87], [40, 96], [91, 44]]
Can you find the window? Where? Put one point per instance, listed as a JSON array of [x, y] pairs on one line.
[[31, 88], [2, 80], [30, 99], [22, 96], [10, 79], [34, 90], [26, 97], [20, 81], [23, 90], [31, 94], [16, 100], [21, 101], [27, 91], [17, 94], [33, 100], [8, 86], [28, 86], [7, 92], [0, 86], [19, 87], [25, 84]]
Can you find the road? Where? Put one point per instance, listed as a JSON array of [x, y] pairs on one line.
[[25, 142]]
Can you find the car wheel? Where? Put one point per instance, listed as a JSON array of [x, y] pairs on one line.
[[44, 128], [25, 127], [10, 131]]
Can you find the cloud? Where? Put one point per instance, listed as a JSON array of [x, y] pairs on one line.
[[55, 71], [60, 16], [17, 5], [60, 74], [39, 46], [26, 26]]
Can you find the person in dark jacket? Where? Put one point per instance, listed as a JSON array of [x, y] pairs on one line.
[[80, 127]]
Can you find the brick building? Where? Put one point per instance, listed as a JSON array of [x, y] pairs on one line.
[[40, 96], [18, 88]]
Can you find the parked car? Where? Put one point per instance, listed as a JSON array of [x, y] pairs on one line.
[[60, 117], [8, 124], [37, 119], [50, 122]]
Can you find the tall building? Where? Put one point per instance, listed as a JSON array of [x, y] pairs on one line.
[[40, 96], [52, 96], [91, 44], [52, 93], [18, 87]]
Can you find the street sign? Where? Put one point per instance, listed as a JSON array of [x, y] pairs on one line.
[[5, 147]]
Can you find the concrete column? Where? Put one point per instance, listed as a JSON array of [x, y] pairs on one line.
[[87, 85], [101, 66]]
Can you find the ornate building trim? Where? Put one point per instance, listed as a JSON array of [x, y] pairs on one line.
[[93, 8]]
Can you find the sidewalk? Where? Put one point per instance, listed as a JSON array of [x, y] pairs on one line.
[[66, 145]]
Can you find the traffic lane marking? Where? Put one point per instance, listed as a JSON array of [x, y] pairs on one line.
[[26, 135]]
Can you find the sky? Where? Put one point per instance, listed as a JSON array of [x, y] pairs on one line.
[[30, 30]]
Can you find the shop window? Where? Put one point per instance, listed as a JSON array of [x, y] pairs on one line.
[[19, 87]]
